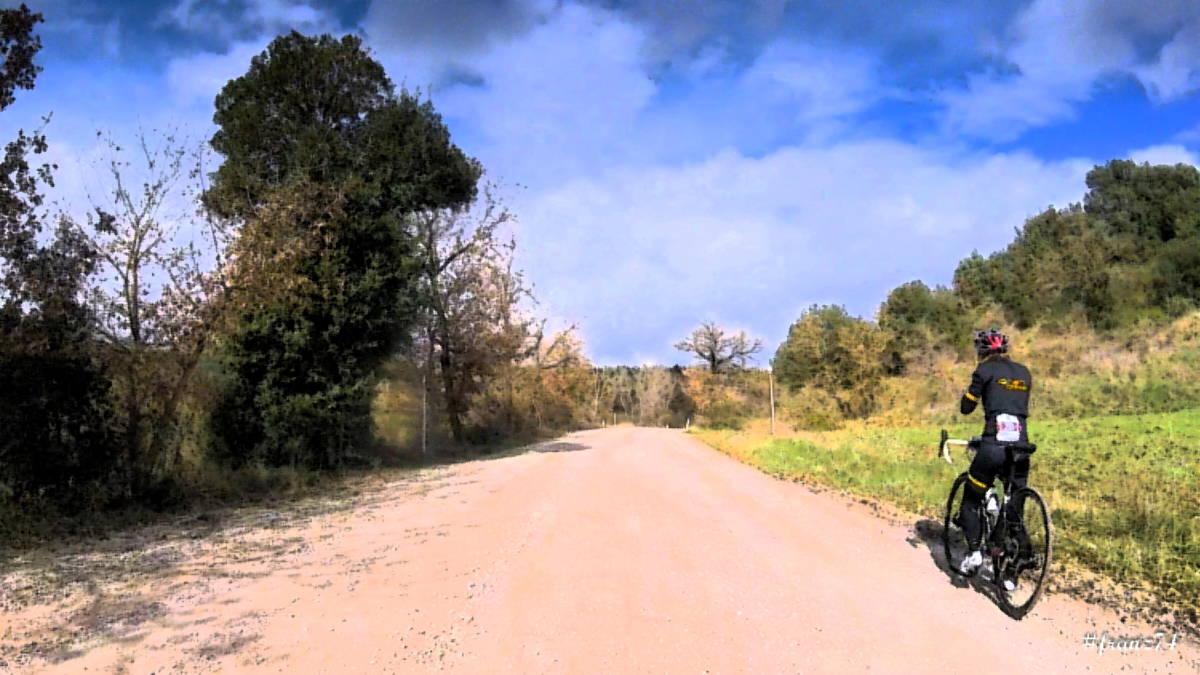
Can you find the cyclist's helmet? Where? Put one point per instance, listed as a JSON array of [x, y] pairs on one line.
[[988, 342]]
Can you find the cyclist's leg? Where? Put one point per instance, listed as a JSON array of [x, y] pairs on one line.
[[980, 476], [1016, 507]]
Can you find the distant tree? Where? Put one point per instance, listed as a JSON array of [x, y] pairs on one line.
[[721, 351], [1124, 255], [655, 389], [324, 164]]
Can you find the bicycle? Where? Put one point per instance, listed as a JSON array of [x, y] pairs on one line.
[[1002, 548]]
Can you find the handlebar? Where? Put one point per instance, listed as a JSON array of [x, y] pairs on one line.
[[945, 441]]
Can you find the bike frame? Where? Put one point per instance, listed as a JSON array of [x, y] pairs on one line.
[[1001, 520]]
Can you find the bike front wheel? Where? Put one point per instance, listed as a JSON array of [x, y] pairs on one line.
[[1029, 567]]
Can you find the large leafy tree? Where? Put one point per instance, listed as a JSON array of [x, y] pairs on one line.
[[915, 318], [1144, 204], [324, 164], [828, 349]]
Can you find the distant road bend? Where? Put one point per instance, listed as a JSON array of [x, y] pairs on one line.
[[616, 550]]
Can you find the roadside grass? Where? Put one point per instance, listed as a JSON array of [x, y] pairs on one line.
[[1122, 489]]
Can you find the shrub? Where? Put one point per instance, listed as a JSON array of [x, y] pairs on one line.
[[811, 408]]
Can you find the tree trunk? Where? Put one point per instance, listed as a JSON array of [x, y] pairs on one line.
[[133, 431], [453, 407]]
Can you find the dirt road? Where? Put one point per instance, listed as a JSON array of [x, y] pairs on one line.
[[620, 550]]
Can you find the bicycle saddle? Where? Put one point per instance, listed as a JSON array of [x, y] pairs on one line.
[[1021, 450]]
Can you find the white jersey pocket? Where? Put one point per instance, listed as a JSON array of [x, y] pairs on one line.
[[1008, 428]]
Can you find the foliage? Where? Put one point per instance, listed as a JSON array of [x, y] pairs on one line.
[[916, 319], [154, 300], [322, 110], [828, 349], [726, 400], [324, 165], [470, 325], [811, 408], [1126, 255], [487, 362], [18, 45], [54, 406], [542, 393]]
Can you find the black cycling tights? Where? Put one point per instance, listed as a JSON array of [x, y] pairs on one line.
[[985, 469]]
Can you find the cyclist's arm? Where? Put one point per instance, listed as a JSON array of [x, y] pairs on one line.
[[974, 392]]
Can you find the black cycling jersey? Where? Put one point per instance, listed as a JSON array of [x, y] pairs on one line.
[[1003, 387]]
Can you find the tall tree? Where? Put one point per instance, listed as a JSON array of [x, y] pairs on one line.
[[720, 350], [468, 326], [324, 165]]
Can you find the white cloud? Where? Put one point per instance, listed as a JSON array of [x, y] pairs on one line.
[[1165, 154], [198, 78], [1174, 73], [639, 248], [251, 17], [1058, 53], [819, 84], [557, 102], [641, 255]]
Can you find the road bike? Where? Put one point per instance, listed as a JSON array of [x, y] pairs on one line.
[[1026, 573]]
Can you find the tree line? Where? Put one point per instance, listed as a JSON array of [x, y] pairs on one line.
[[233, 303], [1127, 257]]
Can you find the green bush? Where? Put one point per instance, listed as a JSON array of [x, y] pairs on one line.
[[724, 413], [829, 349], [811, 408]]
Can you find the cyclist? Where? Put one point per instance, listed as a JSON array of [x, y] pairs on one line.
[[1003, 386]]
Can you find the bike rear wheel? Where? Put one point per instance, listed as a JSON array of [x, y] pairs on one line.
[[954, 540], [1030, 577]]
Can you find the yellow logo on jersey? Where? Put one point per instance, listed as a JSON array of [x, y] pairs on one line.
[[1013, 385]]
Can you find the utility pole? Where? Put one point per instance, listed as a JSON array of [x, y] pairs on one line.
[[771, 386]]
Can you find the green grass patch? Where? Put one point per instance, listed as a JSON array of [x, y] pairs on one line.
[[1122, 489]]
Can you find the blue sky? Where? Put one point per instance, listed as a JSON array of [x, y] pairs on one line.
[[674, 161]]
